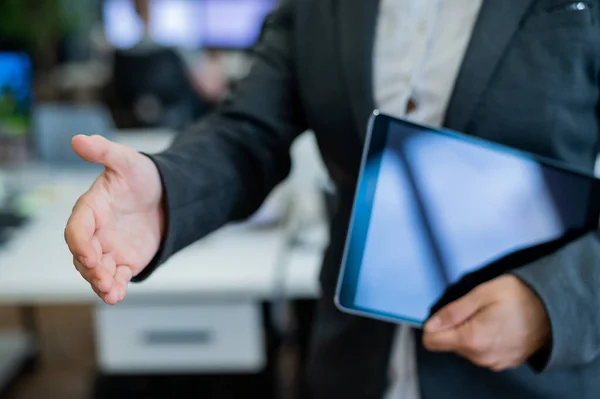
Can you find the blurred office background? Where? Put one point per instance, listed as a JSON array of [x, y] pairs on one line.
[[229, 316]]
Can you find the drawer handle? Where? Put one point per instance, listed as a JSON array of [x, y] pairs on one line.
[[198, 337]]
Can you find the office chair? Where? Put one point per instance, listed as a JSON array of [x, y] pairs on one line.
[[55, 124], [155, 88]]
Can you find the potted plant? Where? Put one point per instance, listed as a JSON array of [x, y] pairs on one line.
[[37, 26]]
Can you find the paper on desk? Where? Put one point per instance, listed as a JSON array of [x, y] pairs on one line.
[[48, 196]]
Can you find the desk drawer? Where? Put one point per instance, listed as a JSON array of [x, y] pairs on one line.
[[180, 338]]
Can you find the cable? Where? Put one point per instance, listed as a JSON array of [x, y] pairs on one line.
[[279, 313]]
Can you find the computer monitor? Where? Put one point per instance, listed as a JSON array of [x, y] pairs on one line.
[[234, 23], [191, 24], [15, 106], [173, 23], [15, 94]]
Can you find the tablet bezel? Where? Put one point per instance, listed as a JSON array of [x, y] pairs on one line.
[[375, 141]]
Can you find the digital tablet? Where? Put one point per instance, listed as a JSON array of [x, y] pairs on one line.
[[437, 213]]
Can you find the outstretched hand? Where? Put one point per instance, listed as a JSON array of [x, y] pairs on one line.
[[116, 227]]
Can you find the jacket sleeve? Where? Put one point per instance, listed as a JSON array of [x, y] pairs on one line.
[[568, 284], [223, 168]]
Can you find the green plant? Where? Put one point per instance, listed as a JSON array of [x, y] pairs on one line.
[[32, 21], [37, 25]]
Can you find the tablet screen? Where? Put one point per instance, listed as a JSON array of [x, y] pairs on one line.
[[433, 208]]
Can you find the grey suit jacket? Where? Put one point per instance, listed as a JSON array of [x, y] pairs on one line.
[[530, 80]]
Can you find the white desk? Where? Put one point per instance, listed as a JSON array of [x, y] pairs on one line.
[[215, 285], [36, 265], [303, 263], [227, 274]]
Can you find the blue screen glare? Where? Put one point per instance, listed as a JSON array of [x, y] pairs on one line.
[[15, 94], [439, 208]]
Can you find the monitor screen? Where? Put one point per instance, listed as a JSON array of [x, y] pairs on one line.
[[173, 23], [234, 23], [15, 94], [122, 27], [189, 24]]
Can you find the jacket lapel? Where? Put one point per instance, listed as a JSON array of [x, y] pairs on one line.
[[497, 24], [356, 20]]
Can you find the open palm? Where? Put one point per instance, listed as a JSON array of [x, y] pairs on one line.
[[116, 227]]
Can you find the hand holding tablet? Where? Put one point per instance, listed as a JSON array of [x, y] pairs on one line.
[[438, 213], [499, 325]]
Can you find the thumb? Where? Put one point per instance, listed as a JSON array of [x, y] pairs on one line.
[[99, 150], [455, 313], [450, 340]]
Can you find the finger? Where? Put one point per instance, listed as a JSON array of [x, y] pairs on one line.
[[122, 278], [471, 339], [91, 280], [456, 313], [98, 277], [443, 341], [106, 280], [506, 365], [463, 339], [497, 368], [99, 293], [98, 149], [79, 234]]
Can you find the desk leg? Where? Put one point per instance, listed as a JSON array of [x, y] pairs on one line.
[[26, 367], [26, 362], [303, 311], [28, 318], [30, 324]]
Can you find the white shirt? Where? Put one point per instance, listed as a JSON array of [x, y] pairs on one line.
[[419, 49]]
